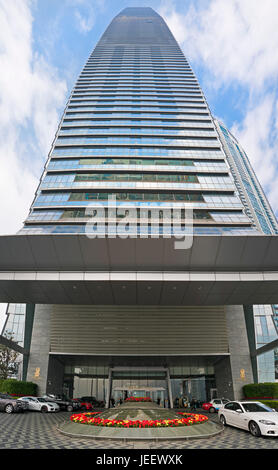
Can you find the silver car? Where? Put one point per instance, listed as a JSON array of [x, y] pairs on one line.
[[40, 404], [10, 404]]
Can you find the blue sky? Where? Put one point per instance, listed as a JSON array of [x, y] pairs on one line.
[[66, 31], [232, 46]]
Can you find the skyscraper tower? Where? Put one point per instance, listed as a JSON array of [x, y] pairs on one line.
[[123, 314], [137, 126]]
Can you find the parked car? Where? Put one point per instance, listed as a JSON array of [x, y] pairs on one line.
[[252, 416], [214, 405], [63, 402], [40, 404], [95, 403], [10, 404], [76, 404], [84, 405]]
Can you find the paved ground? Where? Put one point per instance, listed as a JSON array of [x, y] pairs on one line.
[[34, 430]]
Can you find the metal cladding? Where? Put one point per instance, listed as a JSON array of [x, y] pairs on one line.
[[137, 128]]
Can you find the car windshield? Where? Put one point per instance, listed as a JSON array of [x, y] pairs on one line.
[[255, 407], [4, 395], [41, 400]]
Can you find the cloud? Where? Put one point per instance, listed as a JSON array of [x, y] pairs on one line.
[[86, 13], [259, 138], [234, 39], [31, 97], [235, 43], [85, 22]]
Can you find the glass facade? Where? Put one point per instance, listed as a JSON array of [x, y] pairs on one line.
[[251, 193], [14, 328], [185, 381], [266, 331], [15, 322], [258, 209], [137, 125]]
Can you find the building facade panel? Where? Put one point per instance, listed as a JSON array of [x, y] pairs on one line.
[[137, 127], [138, 330]]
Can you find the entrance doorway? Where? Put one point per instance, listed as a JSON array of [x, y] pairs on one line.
[[153, 382], [158, 394], [213, 393]]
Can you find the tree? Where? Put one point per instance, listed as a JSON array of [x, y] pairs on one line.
[[8, 357]]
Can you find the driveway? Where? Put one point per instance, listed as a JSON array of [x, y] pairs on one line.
[[34, 430]]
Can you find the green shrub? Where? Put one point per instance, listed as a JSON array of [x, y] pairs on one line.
[[270, 403], [261, 390], [18, 388]]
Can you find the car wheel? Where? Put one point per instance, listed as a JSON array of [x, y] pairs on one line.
[[9, 409], [69, 408], [44, 409], [254, 429], [212, 409], [223, 420]]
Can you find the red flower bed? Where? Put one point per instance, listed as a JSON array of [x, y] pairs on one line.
[[138, 399], [91, 419]]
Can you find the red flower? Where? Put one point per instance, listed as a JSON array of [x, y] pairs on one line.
[[138, 399], [90, 418]]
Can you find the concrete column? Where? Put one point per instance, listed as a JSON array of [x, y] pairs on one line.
[[109, 389], [169, 388], [223, 378], [40, 347], [240, 362], [55, 376], [29, 318]]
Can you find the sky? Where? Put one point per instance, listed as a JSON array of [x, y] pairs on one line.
[[231, 45]]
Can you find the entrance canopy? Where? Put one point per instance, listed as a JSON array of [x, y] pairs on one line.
[[74, 269]]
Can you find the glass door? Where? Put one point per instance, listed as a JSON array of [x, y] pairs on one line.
[[136, 382]]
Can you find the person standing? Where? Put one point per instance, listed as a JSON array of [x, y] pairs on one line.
[[112, 402], [193, 404]]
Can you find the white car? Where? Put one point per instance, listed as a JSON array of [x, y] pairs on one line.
[[40, 404], [252, 416], [214, 405]]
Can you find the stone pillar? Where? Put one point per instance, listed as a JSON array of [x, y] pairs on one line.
[[169, 388], [109, 389], [223, 378], [240, 361], [55, 376], [29, 319], [40, 347]]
